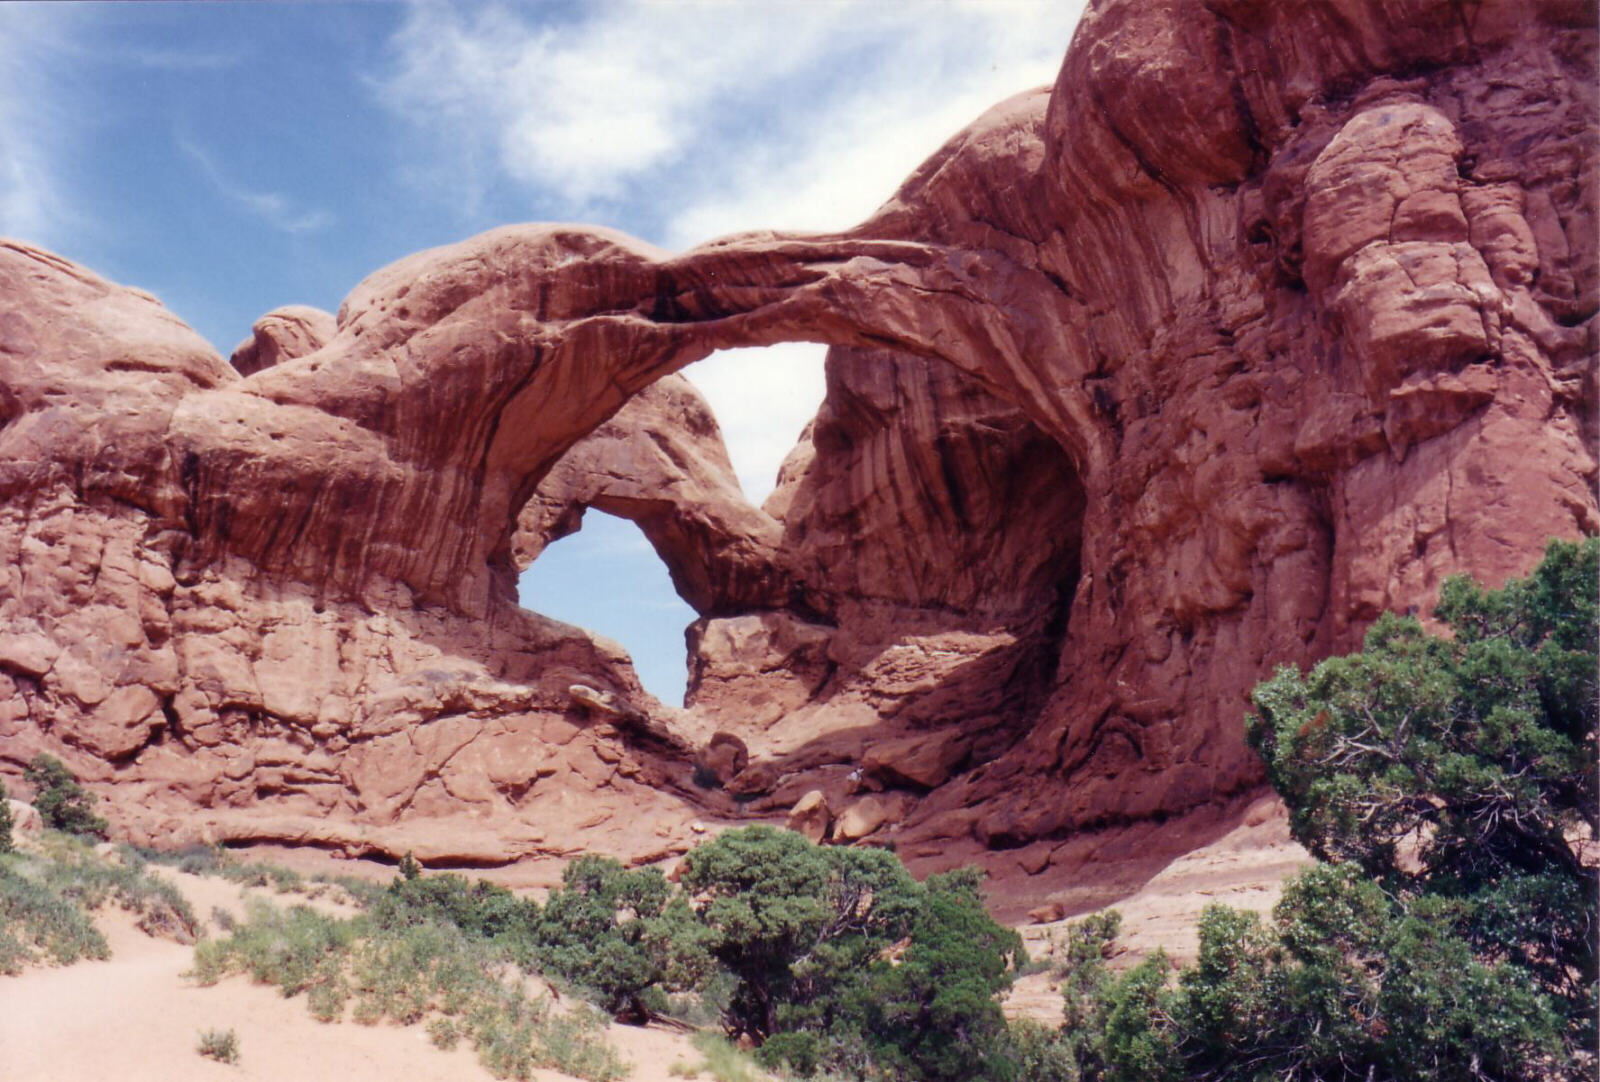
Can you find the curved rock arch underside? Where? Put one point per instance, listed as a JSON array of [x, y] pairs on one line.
[[1264, 319]]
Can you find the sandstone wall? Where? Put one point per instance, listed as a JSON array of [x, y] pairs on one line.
[[1262, 320]]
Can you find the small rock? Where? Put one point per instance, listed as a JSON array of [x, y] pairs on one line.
[[1034, 859], [595, 700], [811, 816], [1048, 913], [861, 819], [924, 759]]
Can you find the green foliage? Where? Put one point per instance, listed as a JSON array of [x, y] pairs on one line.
[[793, 921], [624, 934], [37, 922], [62, 802], [1447, 783], [479, 909], [46, 899], [1139, 1043], [218, 861], [294, 949], [844, 962], [1077, 1051], [936, 1015], [220, 1045], [724, 1062], [6, 822], [1461, 772]]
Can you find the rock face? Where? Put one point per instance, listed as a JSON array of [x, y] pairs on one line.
[[1261, 321]]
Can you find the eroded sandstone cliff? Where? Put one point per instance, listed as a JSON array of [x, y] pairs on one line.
[[1262, 320]]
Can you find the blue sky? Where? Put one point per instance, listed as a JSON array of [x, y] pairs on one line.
[[231, 158]]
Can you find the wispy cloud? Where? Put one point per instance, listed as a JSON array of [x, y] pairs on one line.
[[274, 208], [582, 109], [926, 81], [705, 105], [35, 124]]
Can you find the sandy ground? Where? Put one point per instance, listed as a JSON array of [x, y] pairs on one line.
[[134, 1018], [1245, 869]]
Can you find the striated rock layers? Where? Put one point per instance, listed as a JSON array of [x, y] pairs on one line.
[[1262, 320]]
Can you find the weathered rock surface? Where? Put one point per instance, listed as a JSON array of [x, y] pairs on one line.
[[1261, 321]]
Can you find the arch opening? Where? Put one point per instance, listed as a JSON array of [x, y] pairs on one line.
[[763, 397], [605, 577]]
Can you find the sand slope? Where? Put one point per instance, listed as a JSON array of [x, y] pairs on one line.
[[134, 1018]]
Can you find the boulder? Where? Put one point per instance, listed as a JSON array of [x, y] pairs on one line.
[[25, 818], [811, 816]]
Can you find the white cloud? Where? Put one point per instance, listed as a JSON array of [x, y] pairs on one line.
[[724, 96], [582, 108], [925, 86], [274, 208]]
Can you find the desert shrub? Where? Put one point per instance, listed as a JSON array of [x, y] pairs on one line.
[[62, 802], [6, 822], [294, 949], [808, 934], [220, 1045], [406, 973], [936, 1015], [262, 874], [1076, 1051], [624, 934], [411, 966], [39, 923], [1459, 774], [723, 1061], [218, 861], [792, 921], [443, 1033], [481, 910], [47, 898]]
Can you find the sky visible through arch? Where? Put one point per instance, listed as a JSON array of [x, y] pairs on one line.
[[231, 158]]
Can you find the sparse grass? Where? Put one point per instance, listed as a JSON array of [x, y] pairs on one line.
[[48, 893], [459, 985], [444, 1033], [724, 1062], [217, 862], [220, 1045], [38, 923]]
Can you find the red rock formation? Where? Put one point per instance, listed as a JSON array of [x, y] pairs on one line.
[[1263, 320]]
